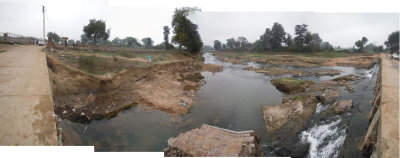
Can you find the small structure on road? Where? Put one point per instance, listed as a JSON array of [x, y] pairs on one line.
[[213, 141]]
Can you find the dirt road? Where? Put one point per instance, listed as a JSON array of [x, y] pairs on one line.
[[26, 110]]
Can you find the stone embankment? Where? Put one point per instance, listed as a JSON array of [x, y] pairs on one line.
[[213, 141], [382, 137]]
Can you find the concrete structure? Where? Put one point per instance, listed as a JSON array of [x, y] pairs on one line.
[[382, 138], [213, 141], [26, 108]]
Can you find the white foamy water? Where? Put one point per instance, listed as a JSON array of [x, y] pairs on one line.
[[325, 140], [320, 107], [370, 73], [253, 64]]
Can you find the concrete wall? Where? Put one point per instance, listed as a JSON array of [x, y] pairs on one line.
[[382, 137]]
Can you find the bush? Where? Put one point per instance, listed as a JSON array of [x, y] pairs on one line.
[[87, 60], [126, 54]]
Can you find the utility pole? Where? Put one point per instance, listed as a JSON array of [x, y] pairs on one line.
[[44, 32]]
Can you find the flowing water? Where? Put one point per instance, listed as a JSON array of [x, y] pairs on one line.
[[233, 99]]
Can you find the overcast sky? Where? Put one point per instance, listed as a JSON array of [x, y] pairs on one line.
[[129, 18]]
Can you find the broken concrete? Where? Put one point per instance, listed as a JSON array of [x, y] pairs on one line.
[[213, 141]]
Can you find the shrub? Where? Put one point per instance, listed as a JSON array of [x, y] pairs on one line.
[[87, 60]]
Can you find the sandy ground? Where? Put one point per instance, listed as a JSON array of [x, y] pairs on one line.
[[26, 109]]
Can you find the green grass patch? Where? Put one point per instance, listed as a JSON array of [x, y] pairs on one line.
[[88, 60]]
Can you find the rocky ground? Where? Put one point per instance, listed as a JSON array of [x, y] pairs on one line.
[[82, 96], [284, 122], [301, 59]]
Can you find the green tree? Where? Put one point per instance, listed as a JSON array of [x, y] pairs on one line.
[[303, 36], [243, 42], [217, 45], [278, 36], [147, 42], [360, 43], [85, 39], [117, 42], [392, 43], [185, 31], [53, 36], [266, 40], [96, 29], [315, 41], [231, 43], [288, 40], [132, 42], [166, 37]]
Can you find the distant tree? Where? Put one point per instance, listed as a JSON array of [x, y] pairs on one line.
[[288, 40], [230, 43], [96, 29], [147, 42], [117, 42], [224, 46], [53, 36], [392, 43], [207, 47], [132, 42], [185, 31], [217, 45], [266, 40], [303, 36], [315, 41], [71, 42], [326, 46], [85, 39], [166, 37], [360, 43], [243, 42], [278, 36]]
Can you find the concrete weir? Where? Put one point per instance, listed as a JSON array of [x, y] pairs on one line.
[[382, 137], [26, 107], [213, 141]]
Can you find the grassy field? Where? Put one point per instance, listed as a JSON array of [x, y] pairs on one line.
[[112, 60]]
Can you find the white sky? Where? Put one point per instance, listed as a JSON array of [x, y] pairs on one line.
[[218, 20]]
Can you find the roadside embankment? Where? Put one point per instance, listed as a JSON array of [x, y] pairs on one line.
[[382, 137]]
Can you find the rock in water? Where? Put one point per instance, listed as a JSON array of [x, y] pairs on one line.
[[291, 85], [329, 96], [339, 107]]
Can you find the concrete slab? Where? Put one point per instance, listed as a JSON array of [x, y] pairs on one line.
[[26, 108]]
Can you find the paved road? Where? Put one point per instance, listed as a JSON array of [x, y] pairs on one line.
[[26, 110]]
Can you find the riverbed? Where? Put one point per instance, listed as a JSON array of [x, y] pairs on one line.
[[233, 99]]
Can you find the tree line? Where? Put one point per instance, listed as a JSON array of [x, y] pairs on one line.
[[276, 39], [186, 36]]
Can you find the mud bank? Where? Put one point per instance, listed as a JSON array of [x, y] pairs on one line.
[[82, 97], [277, 71], [366, 62]]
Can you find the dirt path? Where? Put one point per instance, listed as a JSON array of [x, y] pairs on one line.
[[26, 109]]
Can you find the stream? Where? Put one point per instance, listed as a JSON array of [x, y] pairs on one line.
[[233, 99]]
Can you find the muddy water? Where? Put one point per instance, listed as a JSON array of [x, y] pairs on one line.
[[232, 99]]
